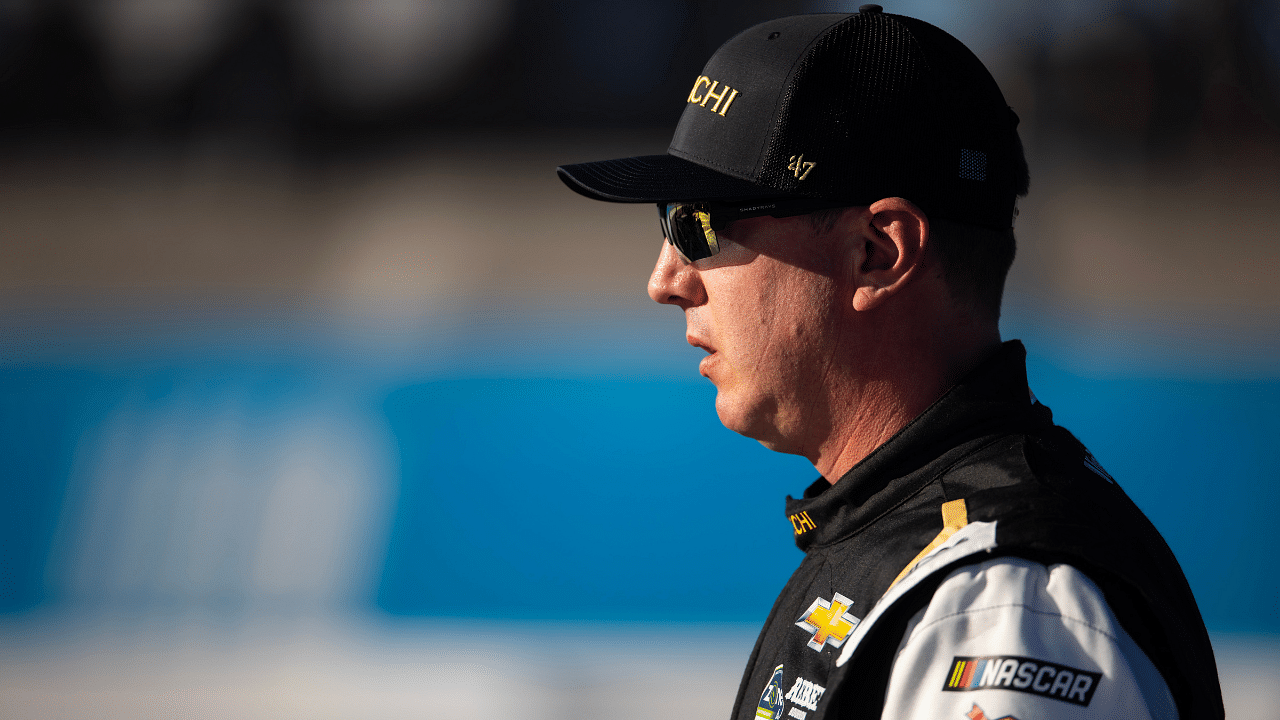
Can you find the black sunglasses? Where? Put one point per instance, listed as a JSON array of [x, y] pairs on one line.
[[691, 227]]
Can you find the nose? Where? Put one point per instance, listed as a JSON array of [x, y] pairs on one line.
[[675, 281]]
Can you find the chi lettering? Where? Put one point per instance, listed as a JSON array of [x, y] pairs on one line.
[[802, 523], [705, 89]]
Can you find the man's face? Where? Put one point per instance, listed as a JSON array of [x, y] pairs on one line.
[[763, 310]]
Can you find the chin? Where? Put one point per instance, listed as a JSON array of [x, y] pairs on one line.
[[751, 420], [730, 413]]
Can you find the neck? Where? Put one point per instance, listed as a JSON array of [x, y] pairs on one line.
[[892, 390]]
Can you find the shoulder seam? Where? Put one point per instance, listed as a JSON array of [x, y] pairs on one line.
[[1111, 636]]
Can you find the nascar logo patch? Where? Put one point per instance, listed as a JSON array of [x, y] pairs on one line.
[[1028, 675]]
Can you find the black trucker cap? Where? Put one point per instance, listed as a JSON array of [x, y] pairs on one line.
[[849, 108]]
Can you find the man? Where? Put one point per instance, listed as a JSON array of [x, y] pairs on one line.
[[838, 203]]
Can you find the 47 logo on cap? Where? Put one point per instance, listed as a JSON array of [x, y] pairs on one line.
[[1027, 675], [798, 166], [829, 621]]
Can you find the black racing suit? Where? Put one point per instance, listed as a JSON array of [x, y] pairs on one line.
[[989, 443]]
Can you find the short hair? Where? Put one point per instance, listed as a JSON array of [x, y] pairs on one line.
[[975, 262], [975, 259]]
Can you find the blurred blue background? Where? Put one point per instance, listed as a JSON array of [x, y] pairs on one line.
[[320, 395]]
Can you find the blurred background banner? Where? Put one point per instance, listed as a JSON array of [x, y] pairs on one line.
[[320, 396]]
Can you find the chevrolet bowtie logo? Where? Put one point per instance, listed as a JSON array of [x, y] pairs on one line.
[[830, 622]]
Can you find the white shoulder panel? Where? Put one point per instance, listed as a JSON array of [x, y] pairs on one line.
[[969, 540], [1010, 638]]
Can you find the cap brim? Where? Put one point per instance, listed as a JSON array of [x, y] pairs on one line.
[[656, 178]]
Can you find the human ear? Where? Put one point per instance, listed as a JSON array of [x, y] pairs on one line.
[[893, 245]]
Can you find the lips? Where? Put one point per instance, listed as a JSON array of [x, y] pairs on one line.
[[699, 343], [695, 333], [703, 365]]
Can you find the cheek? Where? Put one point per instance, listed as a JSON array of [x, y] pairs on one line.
[[798, 314], [760, 322], [770, 320]]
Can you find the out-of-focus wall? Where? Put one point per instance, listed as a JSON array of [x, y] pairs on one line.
[[320, 395]]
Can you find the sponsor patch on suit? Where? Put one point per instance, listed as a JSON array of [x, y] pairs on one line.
[[1022, 674], [771, 702]]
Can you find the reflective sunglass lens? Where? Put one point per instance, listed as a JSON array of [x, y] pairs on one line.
[[689, 230]]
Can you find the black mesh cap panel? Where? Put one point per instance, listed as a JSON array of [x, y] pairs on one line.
[[849, 96]]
